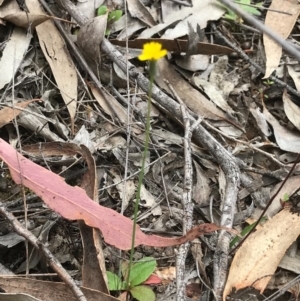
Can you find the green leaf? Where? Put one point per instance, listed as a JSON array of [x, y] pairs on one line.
[[142, 293], [114, 15], [244, 4], [286, 197], [141, 270], [114, 282], [102, 10], [244, 232]]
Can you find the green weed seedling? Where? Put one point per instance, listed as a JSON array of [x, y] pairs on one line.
[[244, 232], [246, 6], [268, 82], [139, 273], [286, 197], [112, 17]]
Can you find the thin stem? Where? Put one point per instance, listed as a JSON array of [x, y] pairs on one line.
[[141, 175]]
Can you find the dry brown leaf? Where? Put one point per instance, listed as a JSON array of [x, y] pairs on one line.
[[290, 187], [27, 20], [48, 290], [13, 54], [291, 110], [257, 259], [8, 114], [93, 266], [113, 108], [285, 138], [91, 35], [282, 24], [139, 11], [201, 190], [295, 75], [58, 57], [190, 96]]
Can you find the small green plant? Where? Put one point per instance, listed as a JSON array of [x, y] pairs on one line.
[[286, 197], [246, 6], [268, 82], [139, 272], [112, 17], [244, 232]]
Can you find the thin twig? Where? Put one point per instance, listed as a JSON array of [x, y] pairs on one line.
[[52, 261]]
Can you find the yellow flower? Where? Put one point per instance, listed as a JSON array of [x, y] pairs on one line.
[[152, 51]]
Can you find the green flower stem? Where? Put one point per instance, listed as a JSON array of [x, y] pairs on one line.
[[141, 175]]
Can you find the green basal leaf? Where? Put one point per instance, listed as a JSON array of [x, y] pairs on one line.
[[286, 197], [244, 232], [142, 293], [114, 15], [102, 10], [230, 15], [141, 270], [114, 282]]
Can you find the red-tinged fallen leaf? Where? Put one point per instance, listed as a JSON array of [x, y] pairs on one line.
[[74, 204], [153, 279]]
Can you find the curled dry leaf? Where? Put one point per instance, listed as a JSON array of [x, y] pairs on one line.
[[285, 138], [58, 57], [291, 110], [282, 24], [257, 259]]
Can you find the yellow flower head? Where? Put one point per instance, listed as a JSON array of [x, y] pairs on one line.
[[152, 51]]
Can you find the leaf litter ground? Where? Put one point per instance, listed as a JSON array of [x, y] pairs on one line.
[[253, 118]]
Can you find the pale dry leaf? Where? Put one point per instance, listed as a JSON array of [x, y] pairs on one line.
[[139, 11], [35, 123], [201, 190], [103, 98], [291, 110], [59, 59], [258, 257], [261, 121], [26, 20], [221, 79], [9, 7], [193, 62], [7, 114], [194, 100], [199, 14], [88, 8], [291, 262], [282, 24], [212, 92], [166, 274], [148, 200], [295, 75], [90, 37], [13, 54], [290, 187], [285, 138], [48, 290], [126, 190]]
